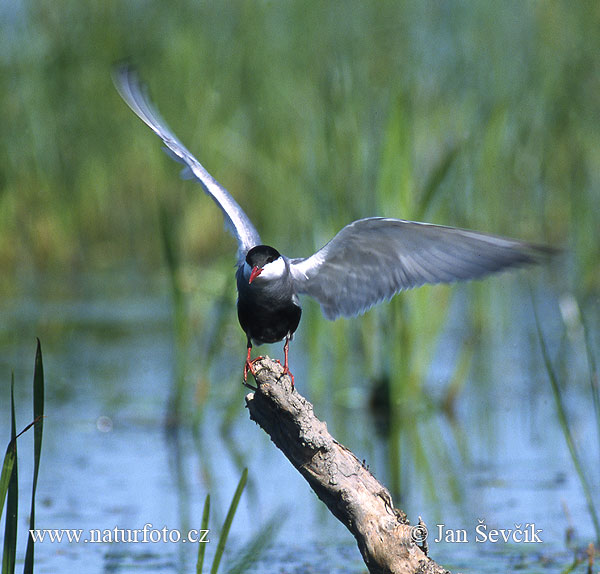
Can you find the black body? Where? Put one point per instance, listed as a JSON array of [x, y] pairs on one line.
[[268, 310], [264, 323]]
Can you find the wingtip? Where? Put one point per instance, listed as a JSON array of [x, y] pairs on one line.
[[124, 74], [119, 70], [542, 253], [134, 92], [122, 68]]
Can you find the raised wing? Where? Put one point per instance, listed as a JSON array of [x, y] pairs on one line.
[[371, 259], [135, 95]]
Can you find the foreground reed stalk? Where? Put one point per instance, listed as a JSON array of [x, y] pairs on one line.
[[385, 538]]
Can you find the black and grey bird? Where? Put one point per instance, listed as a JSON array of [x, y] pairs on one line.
[[367, 262]]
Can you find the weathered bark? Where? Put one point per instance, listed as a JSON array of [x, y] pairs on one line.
[[387, 541]]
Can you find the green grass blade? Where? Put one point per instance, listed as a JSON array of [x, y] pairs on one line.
[[168, 238], [228, 520], [170, 250], [12, 502], [259, 543], [8, 464], [593, 369], [571, 567], [38, 415], [395, 180], [203, 526], [7, 467], [435, 180], [564, 423]]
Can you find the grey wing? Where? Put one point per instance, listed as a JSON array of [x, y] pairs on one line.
[[371, 259], [135, 95]]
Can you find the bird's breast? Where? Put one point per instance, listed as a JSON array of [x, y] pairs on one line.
[[268, 310]]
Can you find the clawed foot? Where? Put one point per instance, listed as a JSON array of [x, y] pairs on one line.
[[286, 371], [249, 366]]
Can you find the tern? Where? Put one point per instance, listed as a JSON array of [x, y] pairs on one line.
[[367, 262]]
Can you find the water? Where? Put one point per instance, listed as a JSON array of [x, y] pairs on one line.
[[108, 462]]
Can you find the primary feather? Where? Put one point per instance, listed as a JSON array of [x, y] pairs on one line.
[[371, 259], [134, 94]]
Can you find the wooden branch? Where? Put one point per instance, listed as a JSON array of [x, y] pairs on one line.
[[386, 540]]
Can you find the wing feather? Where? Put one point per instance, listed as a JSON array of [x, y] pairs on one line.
[[371, 259], [135, 95]]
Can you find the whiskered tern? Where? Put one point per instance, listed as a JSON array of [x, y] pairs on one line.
[[367, 262]]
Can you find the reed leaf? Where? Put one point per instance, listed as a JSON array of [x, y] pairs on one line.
[[257, 545], [564, 424], [38, 416], [203, 526], [228, 520], [12, 496]]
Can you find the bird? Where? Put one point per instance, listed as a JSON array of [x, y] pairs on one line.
[[369, 261]]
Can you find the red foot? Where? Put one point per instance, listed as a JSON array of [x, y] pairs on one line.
[[286, 371], [249, 365]]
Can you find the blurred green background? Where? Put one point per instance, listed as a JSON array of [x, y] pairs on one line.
[[312, 114], [483, 115]]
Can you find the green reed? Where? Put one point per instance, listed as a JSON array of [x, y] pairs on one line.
[[565, 426], [9, 480], [253, 549], [294, 117]]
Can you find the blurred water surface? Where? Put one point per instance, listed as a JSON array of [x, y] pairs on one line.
[[108, 460]]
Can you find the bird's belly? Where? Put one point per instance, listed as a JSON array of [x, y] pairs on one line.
[[268, 324]]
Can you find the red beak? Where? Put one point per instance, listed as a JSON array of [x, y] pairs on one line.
[[256, 271]]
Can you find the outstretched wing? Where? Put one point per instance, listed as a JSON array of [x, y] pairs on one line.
[[371, 259], [135, 95]]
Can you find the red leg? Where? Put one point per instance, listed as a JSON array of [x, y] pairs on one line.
[[286, 370], [249, 364]]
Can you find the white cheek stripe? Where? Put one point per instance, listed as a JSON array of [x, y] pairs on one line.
[[273, 270]]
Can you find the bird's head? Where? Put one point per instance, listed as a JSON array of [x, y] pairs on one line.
[[263, 261]]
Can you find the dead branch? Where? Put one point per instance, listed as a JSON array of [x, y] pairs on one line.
[[387, 541]]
